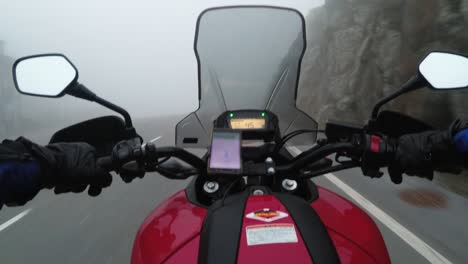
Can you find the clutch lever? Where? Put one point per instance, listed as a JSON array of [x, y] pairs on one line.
[[342, 166], [173, 165], [174, 169]]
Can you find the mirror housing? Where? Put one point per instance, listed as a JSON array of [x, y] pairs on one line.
[[103, 133], [444, 70], [46, 75]]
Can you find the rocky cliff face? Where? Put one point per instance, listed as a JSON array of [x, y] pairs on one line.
[[360, 50]]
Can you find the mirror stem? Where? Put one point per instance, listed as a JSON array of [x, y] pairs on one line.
[[412, 84], [82, 92]]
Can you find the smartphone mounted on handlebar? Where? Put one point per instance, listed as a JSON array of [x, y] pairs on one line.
[[225, 153]]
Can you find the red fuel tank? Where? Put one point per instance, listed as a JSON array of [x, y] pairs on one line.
[[353, 232], [171, 233]]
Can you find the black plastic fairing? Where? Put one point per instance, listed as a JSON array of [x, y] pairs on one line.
[[102, 133]]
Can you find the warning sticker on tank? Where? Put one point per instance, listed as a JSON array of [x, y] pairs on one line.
[[267, 215], [271, 234]]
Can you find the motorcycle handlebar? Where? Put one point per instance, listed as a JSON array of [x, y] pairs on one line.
[[182, 154], [314, 155], [151, 154], [361, 151]]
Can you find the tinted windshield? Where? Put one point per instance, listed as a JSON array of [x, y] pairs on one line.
[[249, 58]]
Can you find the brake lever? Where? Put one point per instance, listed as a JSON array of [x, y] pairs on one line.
[[318, 165], [343, 166]]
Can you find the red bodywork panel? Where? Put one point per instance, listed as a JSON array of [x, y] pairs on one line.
[[356, 228], [187, 254], [167, 230], [170, 234]]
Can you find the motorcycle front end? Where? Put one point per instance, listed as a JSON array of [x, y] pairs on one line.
[[250, 199]]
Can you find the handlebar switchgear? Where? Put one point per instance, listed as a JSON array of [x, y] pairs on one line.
[[378, 151], [127, 155]]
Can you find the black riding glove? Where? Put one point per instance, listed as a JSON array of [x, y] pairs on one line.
[[20, 174], [421, 154], [70, 167]]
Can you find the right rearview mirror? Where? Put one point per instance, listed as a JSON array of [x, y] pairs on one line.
[[438, 70], [444, 70]]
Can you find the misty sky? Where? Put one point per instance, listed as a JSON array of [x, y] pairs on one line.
[[138, 54]]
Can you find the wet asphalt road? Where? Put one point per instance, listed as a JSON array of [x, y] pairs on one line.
[[75, 228], [438, 218]]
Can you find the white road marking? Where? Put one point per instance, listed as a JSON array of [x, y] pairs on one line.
[[84, 219], [410, 238], [156, 139], [14, 219]]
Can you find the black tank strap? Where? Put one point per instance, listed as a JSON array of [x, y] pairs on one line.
[[221, 231], [313, 231]]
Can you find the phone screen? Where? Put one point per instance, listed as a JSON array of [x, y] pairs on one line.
[[225, 150]]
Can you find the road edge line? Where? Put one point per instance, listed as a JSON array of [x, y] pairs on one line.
[[14, 219], [410, 238]]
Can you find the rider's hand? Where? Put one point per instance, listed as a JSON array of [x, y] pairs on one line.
[[421, 154], [76, 168], [69, 167]]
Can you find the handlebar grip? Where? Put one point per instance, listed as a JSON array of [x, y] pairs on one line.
[[378, 152], [106, 163]]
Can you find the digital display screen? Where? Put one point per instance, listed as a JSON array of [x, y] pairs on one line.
[[248, 123], [225, 150]]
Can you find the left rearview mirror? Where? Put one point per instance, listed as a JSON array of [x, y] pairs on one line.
[[444, 70], [53, 75], [46, 75]]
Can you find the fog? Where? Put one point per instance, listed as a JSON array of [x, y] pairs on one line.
[[138, 54]]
